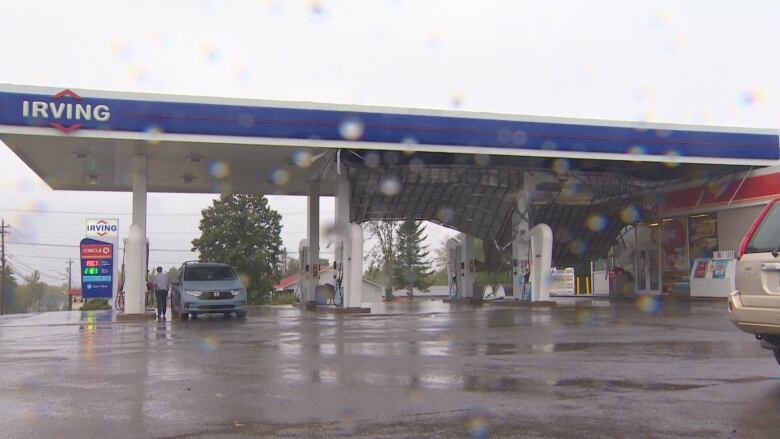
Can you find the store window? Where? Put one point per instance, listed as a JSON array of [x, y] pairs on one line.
[[675, 268], [703, 236]]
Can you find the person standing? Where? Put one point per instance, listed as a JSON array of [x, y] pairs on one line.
[[161, 292]]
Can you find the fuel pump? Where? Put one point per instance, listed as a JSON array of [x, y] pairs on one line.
[[303, 257], [455, 266], [338, 274]]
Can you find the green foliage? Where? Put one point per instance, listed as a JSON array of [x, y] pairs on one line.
[[439, 277], [243, 231], [382, 255], [284, 299], [172, 274], [412, 268], [9, 291], [96, 305], [293, 266]]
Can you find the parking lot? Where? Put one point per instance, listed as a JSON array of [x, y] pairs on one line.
[[586, 368]]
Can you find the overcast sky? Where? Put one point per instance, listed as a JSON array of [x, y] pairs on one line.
[[696, 62]]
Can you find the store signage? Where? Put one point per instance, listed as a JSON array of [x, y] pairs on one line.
[[102, 227], [61, 114], [97, 268]]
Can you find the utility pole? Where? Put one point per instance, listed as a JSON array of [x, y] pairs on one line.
[[3, 231], [70, 298]]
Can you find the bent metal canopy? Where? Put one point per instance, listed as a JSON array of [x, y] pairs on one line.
[[461, 169]]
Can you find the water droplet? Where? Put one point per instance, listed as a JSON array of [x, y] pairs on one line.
[[561, 166], [416, 165], [246, 120], [519, 138], [672, 154], [630, 214], [597, 222], [649, 304], [637, 149], [482, 159], [302, 158], [351, 128], [390, 185], [153, 133], [577, 247], [219, 169], [457, 100], [390, 158], [280, 177], [372, 159], [504, 136], [445, 215]]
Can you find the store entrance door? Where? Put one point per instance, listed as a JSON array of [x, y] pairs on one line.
[[647, 264]]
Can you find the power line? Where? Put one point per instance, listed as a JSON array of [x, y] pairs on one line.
[[39, 257], [41, 244]]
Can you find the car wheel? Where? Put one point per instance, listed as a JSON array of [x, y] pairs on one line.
[[777, 355], [226, 315], [241, 314]]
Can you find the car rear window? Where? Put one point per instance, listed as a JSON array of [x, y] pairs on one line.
[[767, 236], [209, 273]]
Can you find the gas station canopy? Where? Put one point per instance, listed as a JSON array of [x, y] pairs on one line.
[[463, 170]]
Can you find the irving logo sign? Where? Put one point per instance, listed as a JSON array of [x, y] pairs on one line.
[[101, 227], [64, 113]]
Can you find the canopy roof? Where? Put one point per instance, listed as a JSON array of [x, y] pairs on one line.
[[461, 169]]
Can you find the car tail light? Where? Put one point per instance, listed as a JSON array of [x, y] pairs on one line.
[[753, 227]]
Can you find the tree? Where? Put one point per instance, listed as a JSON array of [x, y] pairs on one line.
[[9, 292], [172, 274], [293, 267], [32, 292], [412, 269], [383, 254], [243, 231]]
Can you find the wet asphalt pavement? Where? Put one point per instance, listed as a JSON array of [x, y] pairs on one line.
[[597, 369]]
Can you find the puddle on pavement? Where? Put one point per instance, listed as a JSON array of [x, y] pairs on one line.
[[621, 385]]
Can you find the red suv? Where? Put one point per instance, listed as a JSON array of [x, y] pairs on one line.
[[755, 305]]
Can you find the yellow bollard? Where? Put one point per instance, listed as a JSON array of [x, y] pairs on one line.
[[587, 285], [577, 288]]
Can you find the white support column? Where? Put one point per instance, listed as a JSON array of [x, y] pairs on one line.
[[541, 250], [344, 241], [469, 267], [135, 253], [356, 268], [313, 236], [521, 245]]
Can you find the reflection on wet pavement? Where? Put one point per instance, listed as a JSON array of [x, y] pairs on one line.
[[429, 366]]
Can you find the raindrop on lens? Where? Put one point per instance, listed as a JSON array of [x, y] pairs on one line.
[[280, 177], [351, 128], [596, 222], [482, 159], [390, 158], [561, 166], [372, 159], [445, 215], [390, 185], [219, 169], [302, 159], [637, 149]]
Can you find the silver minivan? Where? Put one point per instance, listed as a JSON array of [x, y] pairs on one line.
[[755, 304], [207, 287]]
